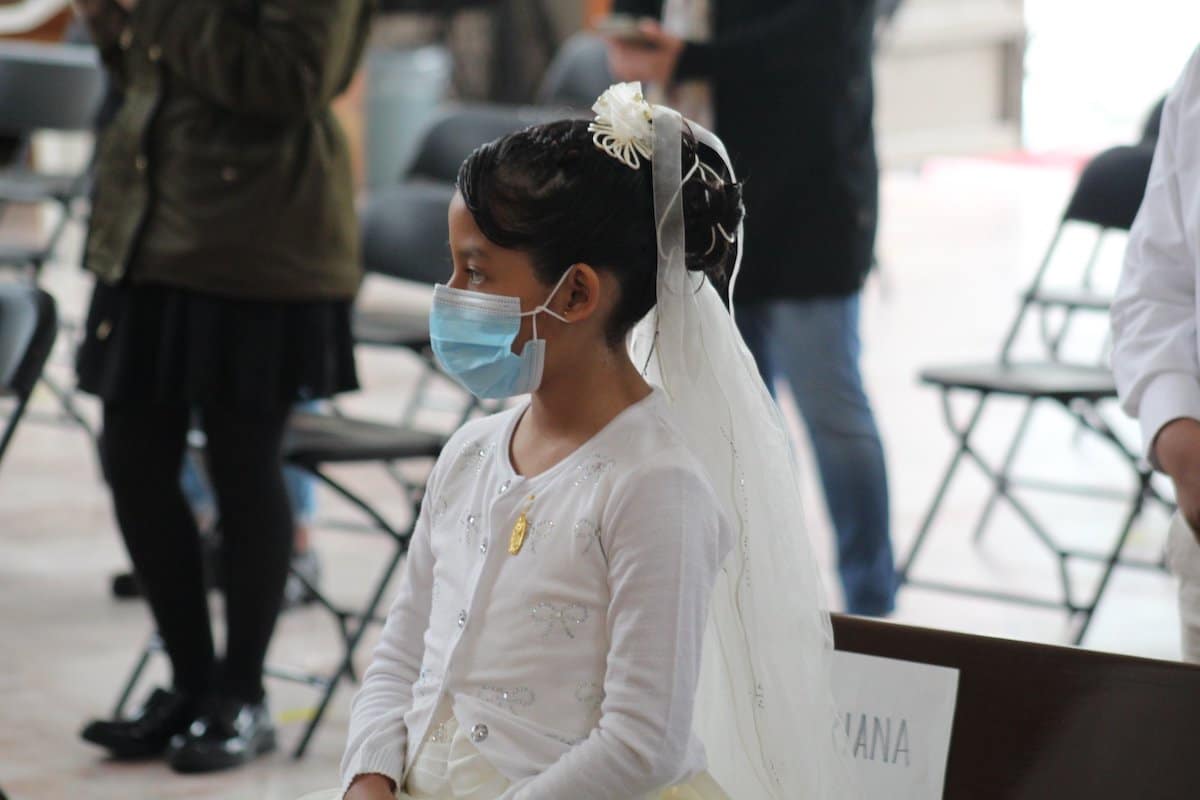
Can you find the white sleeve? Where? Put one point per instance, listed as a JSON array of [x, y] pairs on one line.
[[663, 541], [1155, 359], [378, 736]]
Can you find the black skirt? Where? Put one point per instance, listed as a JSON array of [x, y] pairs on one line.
[[151, 344]]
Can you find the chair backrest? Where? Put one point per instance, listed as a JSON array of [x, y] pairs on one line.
[[1111, 186], [48, 87], [578, 74], [28, 326], [1153, 122], [1035, 721], [456, 131], [405, 232]]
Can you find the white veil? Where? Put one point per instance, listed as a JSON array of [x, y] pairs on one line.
[[764, 707]]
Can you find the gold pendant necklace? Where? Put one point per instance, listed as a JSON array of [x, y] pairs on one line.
[[517, 540]]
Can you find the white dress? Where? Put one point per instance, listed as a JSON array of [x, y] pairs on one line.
[[449, 767], [567, 668]]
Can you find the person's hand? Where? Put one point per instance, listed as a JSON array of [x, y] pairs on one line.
[[1177, 448], [371, 787], [652, 59]]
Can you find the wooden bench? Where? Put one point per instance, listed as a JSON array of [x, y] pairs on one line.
[[1036, 722]]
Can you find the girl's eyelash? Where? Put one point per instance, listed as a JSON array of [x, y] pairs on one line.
[[474, 275]]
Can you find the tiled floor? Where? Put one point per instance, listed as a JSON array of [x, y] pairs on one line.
[[959, 240]]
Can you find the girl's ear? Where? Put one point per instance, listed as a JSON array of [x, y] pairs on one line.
[[581, 293]]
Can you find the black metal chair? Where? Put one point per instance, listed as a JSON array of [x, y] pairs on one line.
[[405, 232], [315, 442], [578, 74], [458, 129], [28, 327], [1107, 198], [405, 237], [44, 87]]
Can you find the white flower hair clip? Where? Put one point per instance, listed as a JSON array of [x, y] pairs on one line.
[[624, 125]]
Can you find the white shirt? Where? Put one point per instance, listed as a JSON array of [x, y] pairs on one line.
[[573, 663], [1155, 335]]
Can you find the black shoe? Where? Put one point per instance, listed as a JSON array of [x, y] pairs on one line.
[[165, 714], [125, 586], [231, 734]]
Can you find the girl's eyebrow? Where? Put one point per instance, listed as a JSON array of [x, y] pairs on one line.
[[471, 252]]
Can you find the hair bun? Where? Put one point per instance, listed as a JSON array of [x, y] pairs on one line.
[[712, 212]]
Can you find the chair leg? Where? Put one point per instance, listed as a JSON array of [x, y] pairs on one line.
[[1098, 425], [1035, 527], [1088, 613], [1003, 473], [66, 402], [345, 667], [138, 669], [939, 496], [10, 426]]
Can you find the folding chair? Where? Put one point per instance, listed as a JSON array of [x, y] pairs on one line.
[[578, 74], [404, 227], [44, 87], [405, 232], [28, 327], [1107, 197], [405, 235], [313, 443], [458, 129]]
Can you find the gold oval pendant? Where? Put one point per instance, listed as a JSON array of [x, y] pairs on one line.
[[518, 535]]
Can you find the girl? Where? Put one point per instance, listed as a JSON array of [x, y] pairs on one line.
[[554, 627], [224, 244]]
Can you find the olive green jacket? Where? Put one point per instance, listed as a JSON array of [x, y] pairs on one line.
[[224, 170]]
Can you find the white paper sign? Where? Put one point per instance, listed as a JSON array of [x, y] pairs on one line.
[[896, 717]]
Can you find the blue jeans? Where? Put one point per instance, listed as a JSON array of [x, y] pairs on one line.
[[814, 346], [301, 487]]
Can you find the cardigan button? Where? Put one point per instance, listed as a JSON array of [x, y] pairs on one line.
[[141, 163], [462, 619], [103, 330], [479, 733], [154, 53], [126, 40], [229, 174], [483, 547]]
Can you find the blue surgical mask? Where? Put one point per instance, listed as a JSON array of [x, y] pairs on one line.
[[473, 333]]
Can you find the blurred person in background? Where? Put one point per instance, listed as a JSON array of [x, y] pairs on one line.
[[1156, 325], [787, 85], [224, 243], [301, 487]]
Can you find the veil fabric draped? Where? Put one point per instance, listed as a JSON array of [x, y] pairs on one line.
[[764, 708]]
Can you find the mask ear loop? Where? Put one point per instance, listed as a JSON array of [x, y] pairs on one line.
[[544, 308]]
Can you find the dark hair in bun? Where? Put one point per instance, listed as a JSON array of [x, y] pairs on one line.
[[551, 192]]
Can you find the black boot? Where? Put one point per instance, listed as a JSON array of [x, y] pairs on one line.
[[165, 714], [231, 733]]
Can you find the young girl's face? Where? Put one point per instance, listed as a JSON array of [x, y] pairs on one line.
[[483, 266]]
